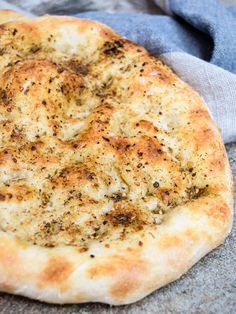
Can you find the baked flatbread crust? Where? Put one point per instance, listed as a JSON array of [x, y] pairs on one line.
[[10, 15], [114, 179]]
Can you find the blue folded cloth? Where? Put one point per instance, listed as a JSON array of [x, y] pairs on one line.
[[204, 29], [197, 39]]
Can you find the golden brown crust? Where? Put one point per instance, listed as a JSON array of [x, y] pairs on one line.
[[10, 15], [114, 178]]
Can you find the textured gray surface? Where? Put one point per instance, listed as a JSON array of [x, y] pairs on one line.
[[40, 7], [209, 287]]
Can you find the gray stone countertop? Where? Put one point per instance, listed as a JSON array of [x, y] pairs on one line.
[[209, 287]]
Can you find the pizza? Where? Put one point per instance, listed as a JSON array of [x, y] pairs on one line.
[[114, 179]]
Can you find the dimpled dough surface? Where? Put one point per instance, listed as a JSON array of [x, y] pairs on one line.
[[114, 178]]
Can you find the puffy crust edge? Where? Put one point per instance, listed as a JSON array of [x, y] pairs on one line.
[[10, 15], [125, 272]]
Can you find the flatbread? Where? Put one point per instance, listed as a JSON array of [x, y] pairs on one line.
[[114, 179]]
